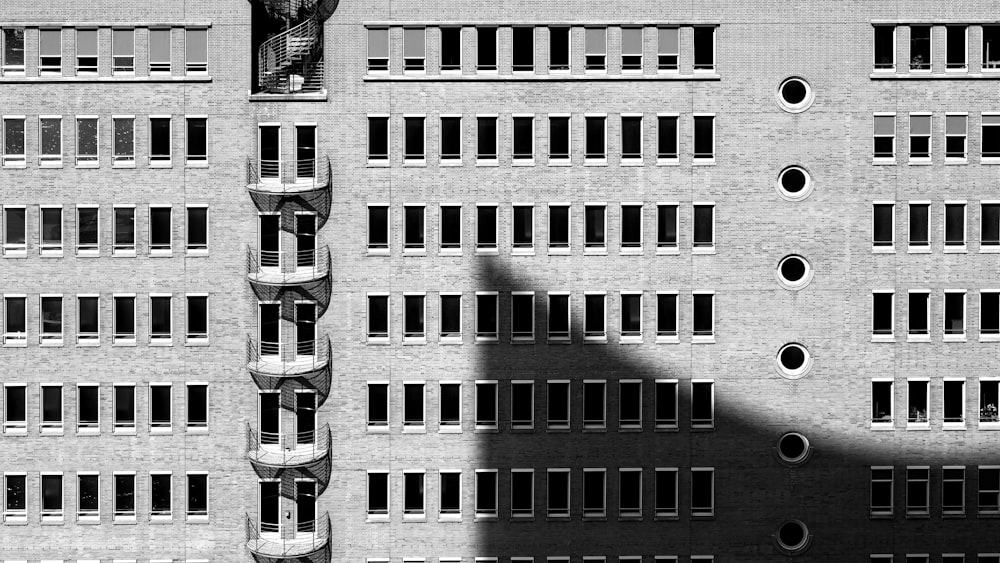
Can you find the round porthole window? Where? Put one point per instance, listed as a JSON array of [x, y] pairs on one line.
[[794, 183], [793, 537], [795, 95], [794, 272], [793, 448], [793, 361]]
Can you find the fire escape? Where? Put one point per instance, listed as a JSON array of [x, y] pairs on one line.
[[290, 59]]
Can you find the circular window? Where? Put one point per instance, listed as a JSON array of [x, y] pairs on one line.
[[793, 537], [794, 272], [795, 95], [794, 183], [793, 361], [793, 447]]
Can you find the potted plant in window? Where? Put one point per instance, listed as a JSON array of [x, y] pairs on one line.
[[988, 413]]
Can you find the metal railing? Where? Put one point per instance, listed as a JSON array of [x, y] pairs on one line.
[[279, 358], [270, 539], [288, 449], [293, 52], [281, 267], [288, 177]]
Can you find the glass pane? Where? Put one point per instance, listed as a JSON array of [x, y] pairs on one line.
[[86, 42], [596, 40], [413, 43], [885, 125], [50, 42], [955, 124], [123, 42], [378, 43], [920, 125], [124, 137], [632, 40], [159, 45], [51, 132], [197, 45]]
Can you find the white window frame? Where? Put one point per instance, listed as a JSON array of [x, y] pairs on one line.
[[482, 160], [558, 426], [965, 33], [919, 248], [14, 160], [50, 249], [15, 427], [87, 160], [52, 516], [602, 337], [595, 249], [925, 424], [666, 248], [891, 336], [917, 337], [196, 427], [159, 516], [522, 339], [461, 137], [124, 250], [378, 162], [388, 320], [549, 512], [15, 516], [882, 424], [421, 428], [705, 249], [160, 161], [662, 67], [193, 67], [193, 339], [596, 68], [159, 68], [955, 337], [461, 45], [523, 161], [378, 251], [114, 68], [368, 49], [632, 160], [704, 161], [519, 514], [451, 251], [415, 250], [51, 427], [422, 159], [560, 250], [668, 160], [161, 339], [15, 250], [169, 427], [891, 247], [200, 160], [377, 516], [884, 159], [561, 160], [88, 339], [50, 160], [595, 160], [930, 137], [96, 428], [15, 339], [123, 340], [454, 427], [569, 317], [191, 249], [124, 428], [880, 512], [453, 339], [630, 512], [895, 48], [96, 55], [704, 338], [953, 511], [88, 517], [417, 338], [487, 249], [952, 425], [601, 424], [377, 427], [631, 338], [983, 126], [964, 159], [496, 50], [192, 516], [158, 250], [569, 49], [496, 335], [955, 248], [419, 64], [715, 51], [127, 160], [641, 54], [668, 338]]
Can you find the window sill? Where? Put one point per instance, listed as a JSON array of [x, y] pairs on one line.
[[377, 518], [668, 162], [378, 252], [630, 340], [918, 338], [522, 340], [955, 161], [378, 164], [522, 428], [485, 518], [883, 249], [557, 518], [629, 429], [587, 429], [558, 429], [881, 426], [522, 162], [956, 249], [489, 163], [168, 519], [595, 518], [667, 250], [988, 160], [449, 163], [161, 164], [15, 432], [88, 520], [560, 162], [124, 343], [197, 520], [161, 431], [54, 164], [559, 251], [123, 431], [196, 164], [450, 340], [123, 254], [559, 340], [16, 165], [706, 250], [15, 520], [414, 518], [160, 253], [989, 426], [595, 339], [196, 342], [953, 426], [989, 337], [52, 521], [697, 339], [595, 161], [197, 252], [918, 250], [883, 338], [377, 341], [989, 249], [668, 339], [51, 343], [16, 344], [456, 429], [919, 161], [123, 165], [487, 251], [522, 252], [522, 518], [378, 429], [414, 430], [196, 430], [487, 340], [414, 252], [414, 164], [163, 342], [954, 338], [88, 343], [630, 518], [703, 161], [595, 251], [920, 516], [483, 429], [632, 162], [50, 253], [15, 254], [88, 431], [450, 518], [918, 426], [414, 340], [51, 431], [631, 251]]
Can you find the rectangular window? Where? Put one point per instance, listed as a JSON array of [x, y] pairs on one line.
[[954, 403], [704, 48], [378, 406], [595, 230], [523, 229], [524, 49], [666, 316], [413, 494], [665, 494], [882, 403], [486, 49], [378, 228], [378, 50], [631, 317], [522, 316], [87, 230], [88, 330], [49, 52], [123, 51], [920, 48], [88, 409], [595, 317], [413, 228], [954, 315], [50, 147], [15, 321], [486, 228], [702, 404], [195, 51], [378, 139], [988, 497], [124, 408], [451, 139], [13, 51], [667, 48], [86, 142], [559, 317], [486, 493], [920, 136], [989, 314], [413, 406], [523, 139], [883, 226], [159, 141], [956, 138], [413, 49], [86, 52], [917, 491], [413, 139], [953, 491], [885, 48], [991, 136], [631, 49], [559, 49], [882, 314], [196, 141], [160, 319], [51, 497], [884, 137], [15, 407], [451, 318], [196, 329], [522, 405], [918, 313], [378, 317], [413, 317], [51, 409], [124, 231], [557, 402], [486, 138], [15, 505], [88, 486], [595, 405], [487, 317], [989, 400], [991, 47], [917, 402], [596, 144], [51, 320], [704, 138], [159, 51], [957, 47], [160, 407], [197, 407], [703, 316], [702, 491], [881, 491], [197, 496], [666, 227], [160, 496], [559, 138], [665, 415], [451, 50], [124, 143], [595, 57], [451, 494], [196, 230], [557, 493], [630, 493], [486, 405], [50, 231], [451, 229], [559, 229], [666, 139], [594, 493], [631, 134], [378, 495], [919, 225], [450, 416], [13, 142], [522, 493]]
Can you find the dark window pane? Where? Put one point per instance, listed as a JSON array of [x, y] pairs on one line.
[[704, 225], [197, 138], [666, 314], [595, 137], [378, 227], [486, 492], [197, 406], [414, 223], [885, 47], [378, 138], [631, 226], [451, 48], [704, 136], [378, 316], [197, 228], [160, 494], [451, 315], [197, 494], [524, 48], [413, 492], [522, 315], [486, 44], [594, 315], [667, 137], [989, 311], [882, 313], [558, 48], [451, 138], [413, 404], [701, 402], [87, 408], [559, 315], [631, 137], [594, 229], [631, 317], [451, 403], [523, 137], [486, 315], [124, 405], [523, 229], [451, 492], [559, 226], [159, 228], [522, 403], [159, 405], [704, 48], [451, 227], [159, 139], [486, 137], [666, 403], [954, 224], [486, 404], [558, 403], [991, 225], [89, 493], [919, 225], [88, 314], [414, 137], [378, 403], [918, 313], [14, 407], [378, 493], [559, 137], [883, 225], [486, 226], [666, 226]]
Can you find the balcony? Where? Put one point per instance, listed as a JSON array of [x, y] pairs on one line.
[[278, 267], [289, 449], [285, 542], [280, 359], [275, 177]]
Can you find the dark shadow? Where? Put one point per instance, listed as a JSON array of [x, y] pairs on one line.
[[317, 201], [318, 291]]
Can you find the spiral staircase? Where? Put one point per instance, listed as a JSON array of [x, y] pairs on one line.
[[291, 61]]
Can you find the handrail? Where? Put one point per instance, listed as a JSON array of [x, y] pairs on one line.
[[308, 537], [288, 267], [288, 449], [280, 358], [290, 176], [295, 44]]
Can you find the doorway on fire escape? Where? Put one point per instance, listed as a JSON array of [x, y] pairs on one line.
[[269, 329], [305, 417], [269, 507], [269, 241], [305, 330], [269, 417], [305, 506], [305, 239], [305, 152], [269, 152]]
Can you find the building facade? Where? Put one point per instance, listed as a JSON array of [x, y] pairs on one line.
[[506, 283]]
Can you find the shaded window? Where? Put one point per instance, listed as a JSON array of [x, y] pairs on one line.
[[486, 405], [881, 491], [123, 51], [558, 320], [631, 48], [885, 136], [160, 322], [486, 493], [160, 494], [702, 492], [15, 409], [920, 47], [882, 309], [413, 404], [559, 226], [956, 47], [666, 314], [14, 230], [523, 229], [704, 226], [557, 402], [630, 404], [378, 493], [594, 404], [956, 136], [413, 49], [631, 137], [13, 50], [451, 48], [594, 228], [451, 493], [524, 49], [51, 415], [524, 138], [15, 321], [486, 138], [486, 48], [667, 48], [378, 138], [702, 404], [883, 224], [51, 229], [196, 51], [665, 495], [159, 51], [87, 229], [630, 493], [704, 48], [885, 47], [486, 226], [13, 142], [451, 404], [88, 496], [631, 315], [988, 401], [378, 405], [522, 404], [413, 227], [124, 405], [631, 231], [486, 316], [953, 490], [522, 318], [920, 136], [378, 49], [197, 317], [88, 328], [596, 47], [451, 227], [50, 51], [954, 224], [594, 493], [917, 312], [989, 490], [451, 138], [917, 490], [557, 501], [52, 496], [559, 49], [522, 493], [451, 316], [414, 138], [919, 224], [197, 228], [595, 147], [666, 226], [666, 137], [916, 402], [593, 322], [86, 52], [559, 137]]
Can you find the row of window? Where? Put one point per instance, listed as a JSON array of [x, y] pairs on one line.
[[917, 491], [485, 130], [87, 230], [956, 138], [124, 491], [918, 318], [922, 47], [549, 559], [113, 561], [589, 485], [945, 558], [51, 148], [558, 225], [124, 330], [558, 322], [953, 411], [52, 406], [954, 226], [562, 398], [67, 51], [521, 45]]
